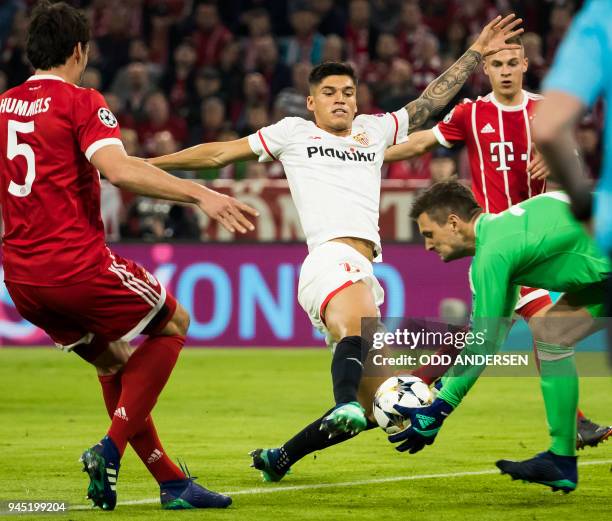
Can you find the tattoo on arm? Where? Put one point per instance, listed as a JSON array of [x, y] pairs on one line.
[[442, 90]]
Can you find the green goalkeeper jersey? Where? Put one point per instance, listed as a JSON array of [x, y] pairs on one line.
[[536, 243]]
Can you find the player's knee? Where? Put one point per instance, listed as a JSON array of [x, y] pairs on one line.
[[543, 331], [540, 332], [353, 328], [183, 319], [348, 325], [349, 322], [114, 358], [179, 324], [344, 312], [344, 328]]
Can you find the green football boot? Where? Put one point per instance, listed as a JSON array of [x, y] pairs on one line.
[[346, 418]]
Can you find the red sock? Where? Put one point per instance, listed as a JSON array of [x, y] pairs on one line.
[[149, 448], [145, 443], [142, 380], [111, 391]]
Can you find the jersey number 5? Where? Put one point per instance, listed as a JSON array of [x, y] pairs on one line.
[[15, 149]]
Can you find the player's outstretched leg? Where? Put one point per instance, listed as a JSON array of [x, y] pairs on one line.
[[348, 416], [588, 433], [146, 443], [143, 378], [178, 491], [557, 467], [556, 472], [343, 318], [275, 463]]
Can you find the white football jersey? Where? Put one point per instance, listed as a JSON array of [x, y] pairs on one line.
[[334, 180]]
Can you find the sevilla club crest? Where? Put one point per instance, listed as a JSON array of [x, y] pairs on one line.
[[362, 139]]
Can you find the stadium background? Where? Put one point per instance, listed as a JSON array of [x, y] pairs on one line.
[[181, 72]]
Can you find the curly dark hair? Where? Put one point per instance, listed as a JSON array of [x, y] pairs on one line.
[[445, 198]]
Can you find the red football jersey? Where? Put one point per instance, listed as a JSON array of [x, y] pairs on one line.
[[50, 192], [499, 145]]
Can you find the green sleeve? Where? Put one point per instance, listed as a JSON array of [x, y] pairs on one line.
[[493, 302], [493, 296]]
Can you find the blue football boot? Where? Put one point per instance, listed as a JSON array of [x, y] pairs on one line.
[[546, 468], [183, 494]]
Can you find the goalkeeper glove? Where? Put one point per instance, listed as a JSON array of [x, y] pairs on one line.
[[425, 422]]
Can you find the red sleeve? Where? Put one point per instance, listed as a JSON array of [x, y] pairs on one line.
[[94, 124], [453, 127]]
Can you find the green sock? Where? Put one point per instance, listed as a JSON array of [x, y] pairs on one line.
[[559, 382]]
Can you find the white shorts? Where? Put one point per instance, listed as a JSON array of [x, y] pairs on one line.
[[328, 269]]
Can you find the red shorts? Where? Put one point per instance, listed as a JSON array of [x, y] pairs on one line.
[[121, 302], [531, 301]]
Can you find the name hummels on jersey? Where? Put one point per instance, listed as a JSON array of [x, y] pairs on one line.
[[24, 108]]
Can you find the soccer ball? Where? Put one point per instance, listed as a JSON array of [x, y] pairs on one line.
[[408, 391]]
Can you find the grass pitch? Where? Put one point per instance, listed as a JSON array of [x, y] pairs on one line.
[[220, 404]]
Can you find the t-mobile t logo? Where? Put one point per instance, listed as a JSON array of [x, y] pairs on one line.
[[502, 152]]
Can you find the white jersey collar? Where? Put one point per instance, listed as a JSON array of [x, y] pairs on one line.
[[35, 77], [334, 135], [511, 108]]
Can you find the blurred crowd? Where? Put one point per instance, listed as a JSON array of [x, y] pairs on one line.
[[181, 72]]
